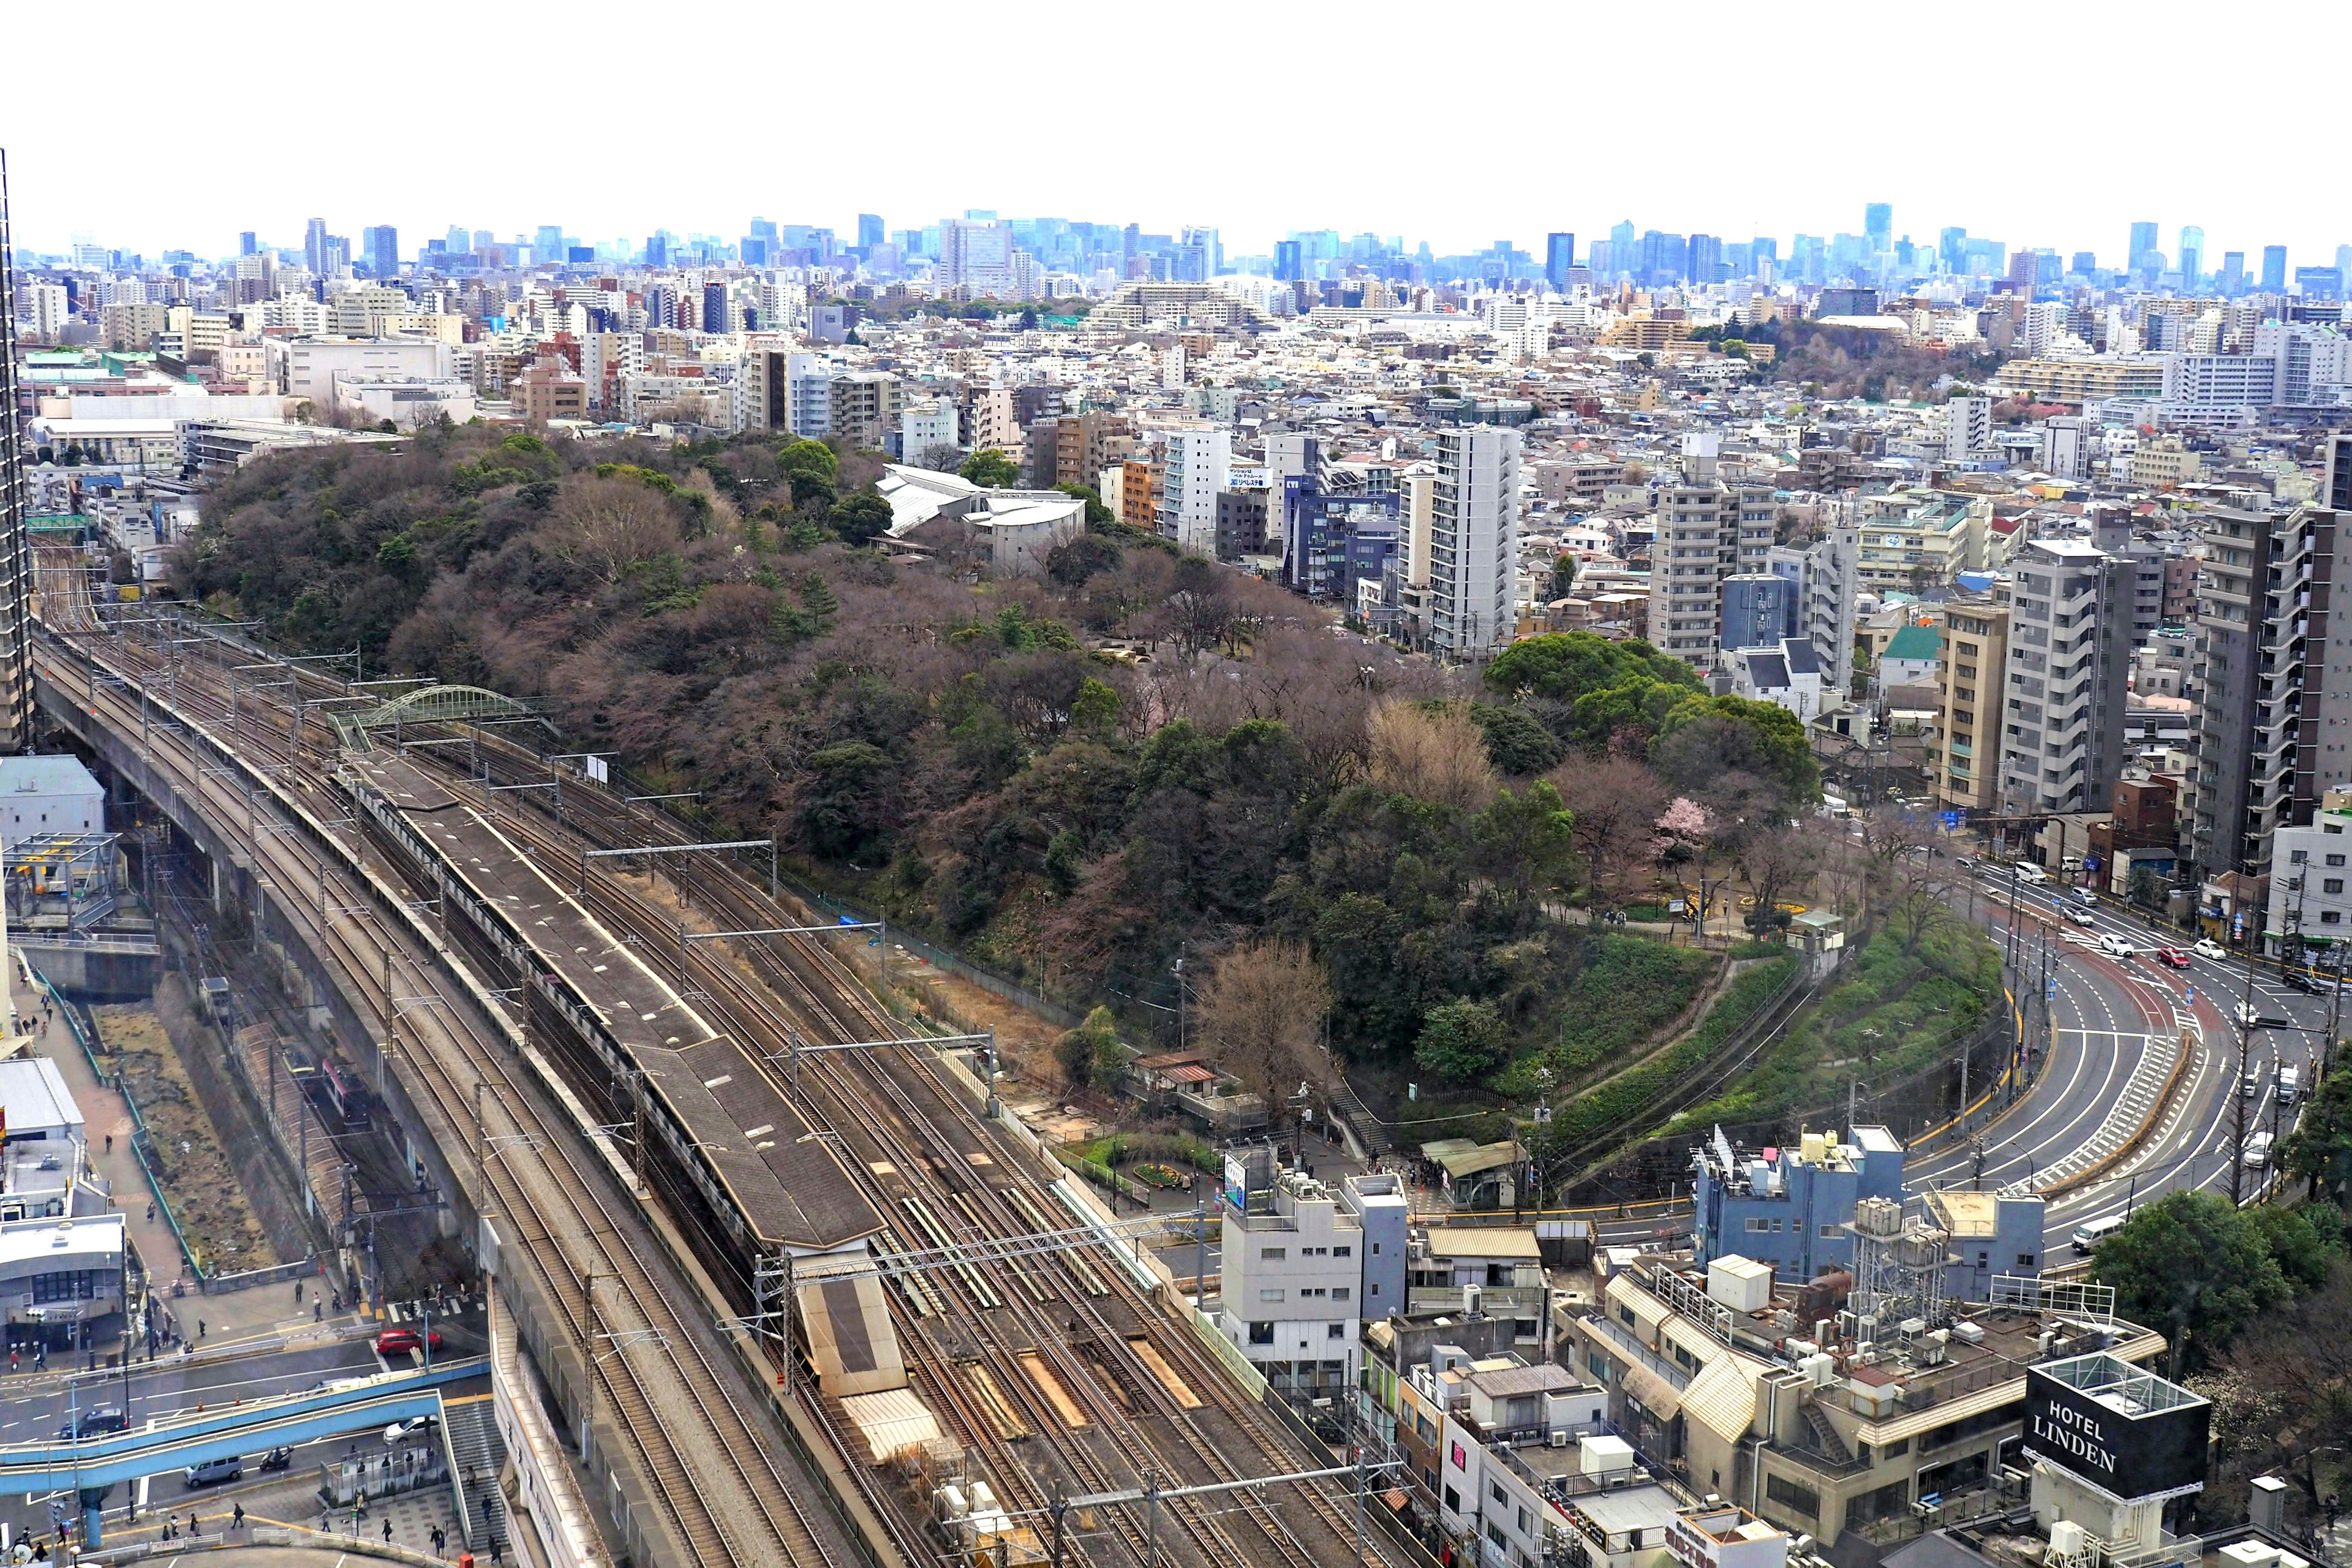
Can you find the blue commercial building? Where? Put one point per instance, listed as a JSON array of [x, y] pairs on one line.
[[1794, 1207], [1758, 609], [1335, 531]]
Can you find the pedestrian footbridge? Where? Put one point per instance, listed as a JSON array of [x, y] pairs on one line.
[[251, 1427]]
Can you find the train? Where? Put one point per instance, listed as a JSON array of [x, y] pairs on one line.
[[340, 1095]]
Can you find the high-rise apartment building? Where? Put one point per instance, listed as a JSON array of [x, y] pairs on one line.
[[1474, 541], [2273, 692], [2062, 744], [1968, 428], [1707, 530], [1198, 460], [16, 557], [1965, 751]]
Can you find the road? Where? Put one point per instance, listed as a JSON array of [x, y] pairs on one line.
[[2105, 1008]]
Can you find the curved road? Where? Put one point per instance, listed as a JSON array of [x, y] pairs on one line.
[[2105, 1009]]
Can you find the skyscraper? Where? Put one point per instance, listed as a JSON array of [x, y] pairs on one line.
[[1289, 261], [380, 247], [547, 245], [314, 247], [246, 244], [1560, 255], [2192, 255], [2273, 268], [1474, 541], [2143, 244], [1878, 226], [869, 230]]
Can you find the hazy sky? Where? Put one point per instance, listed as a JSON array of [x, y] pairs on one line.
[[2038, 125]]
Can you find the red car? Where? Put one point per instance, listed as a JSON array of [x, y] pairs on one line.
[[2172, 957], [400, 1341]]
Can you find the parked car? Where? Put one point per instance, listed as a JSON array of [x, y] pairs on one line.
[[415, 1426], [400, 1341], [2206, 947], [2172, 957], [95, 1422], [212, 1472]]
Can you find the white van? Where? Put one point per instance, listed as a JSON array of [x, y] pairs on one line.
[[2090, 1232]]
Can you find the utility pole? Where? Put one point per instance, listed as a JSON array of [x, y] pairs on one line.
[[588, 1356]]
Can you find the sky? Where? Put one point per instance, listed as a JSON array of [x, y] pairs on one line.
[[2053, 125]]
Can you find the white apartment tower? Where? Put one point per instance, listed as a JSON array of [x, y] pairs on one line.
[[1199, 457], [1968, 428], [1474, 542]]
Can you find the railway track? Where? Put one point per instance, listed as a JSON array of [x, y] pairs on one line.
[[1001, 1320], [706, 1467]]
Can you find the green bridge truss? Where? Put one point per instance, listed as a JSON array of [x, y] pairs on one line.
[[432, 705]]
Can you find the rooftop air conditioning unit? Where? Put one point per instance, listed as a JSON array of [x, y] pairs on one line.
[[1559, 1437]]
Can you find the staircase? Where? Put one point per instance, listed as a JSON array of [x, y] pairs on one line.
[[478, 1455], [1824, 1434], [1349, 1107]]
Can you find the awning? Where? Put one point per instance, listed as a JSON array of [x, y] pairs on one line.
[[1656, 1395], [1721, 1399]]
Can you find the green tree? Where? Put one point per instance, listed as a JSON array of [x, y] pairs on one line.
[[1096, 513], [2305, 1252], [1516, 743], [2193, 1266], [1527, 841], [1096, 707], [1090, 1055], [1462, 1040], [1564, 666], [861, 519], [841, 807], [1563, 575], [2319, 1150], [1702, 738], [810, 469], [991, 469]]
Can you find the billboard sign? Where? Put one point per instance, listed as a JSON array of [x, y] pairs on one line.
[[2125, 1431], [1237, 1182]]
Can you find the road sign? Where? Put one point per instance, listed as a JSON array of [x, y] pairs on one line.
[[1951, 819]]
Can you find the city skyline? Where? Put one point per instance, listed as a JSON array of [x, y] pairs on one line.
[[1585, 149]]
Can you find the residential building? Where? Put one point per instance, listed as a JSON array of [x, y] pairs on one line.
[[1475, 541], [2273, 716], [1911, 655], [1293, 1274], [1707, 530], [1968, 428], [2081, 381], [863, 407], [925, 424], [548, 390], [1241, 523], [1197, 458], [1784, 673], [2068, 673], [1963, 755], [2309, 904]]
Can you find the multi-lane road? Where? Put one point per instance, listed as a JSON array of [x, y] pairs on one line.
[[2104, 1010]]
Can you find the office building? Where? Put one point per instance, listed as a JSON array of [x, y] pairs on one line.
[[315, 249], [2273, 270], [2068, 671], [1198, 457], [1707, 530], [380, 245], [1474, 541], [1962, 760], [1559, 256], [976, 256], [869, 231], [1878, 227], [2141, 255], [1758, 609], [2192, 257], [1302, 1262]]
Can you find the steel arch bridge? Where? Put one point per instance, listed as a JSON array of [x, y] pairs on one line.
[[434, 705]]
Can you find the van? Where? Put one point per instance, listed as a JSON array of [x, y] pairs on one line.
[[2090, 1232], [212, 1472], [2290, 1083]]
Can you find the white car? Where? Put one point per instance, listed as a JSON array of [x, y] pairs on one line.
[[2081, 917], [400, 1431], [2027, 871], [2115, 947], [2206, 947]]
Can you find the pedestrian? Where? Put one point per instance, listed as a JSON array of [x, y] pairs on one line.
[[387, 1529], [200, 1328], [237, 1520], [298, 1292], [317, 1311], [151, 1212], [110, 1142]]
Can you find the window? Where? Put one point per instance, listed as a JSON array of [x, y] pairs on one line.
[[1625, 1314], [1453, 1500], [1597, 1364], [1495, 1533], [1830, 1232], [1376, 1250], [1793, 1496], [2335, 859], [2332, 885], [1340, 1292], [1347, 1251], [1494, 1490], [2025, 1260], [1274, 1295], [1261, 1333], [2331, 917], [1336, 1331], [1273, 1254], [1755, 1226]]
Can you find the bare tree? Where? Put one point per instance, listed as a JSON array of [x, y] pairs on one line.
[[1773, 864], [1617, 803], [1261, 1013], [610, 525], [1437, 756]]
